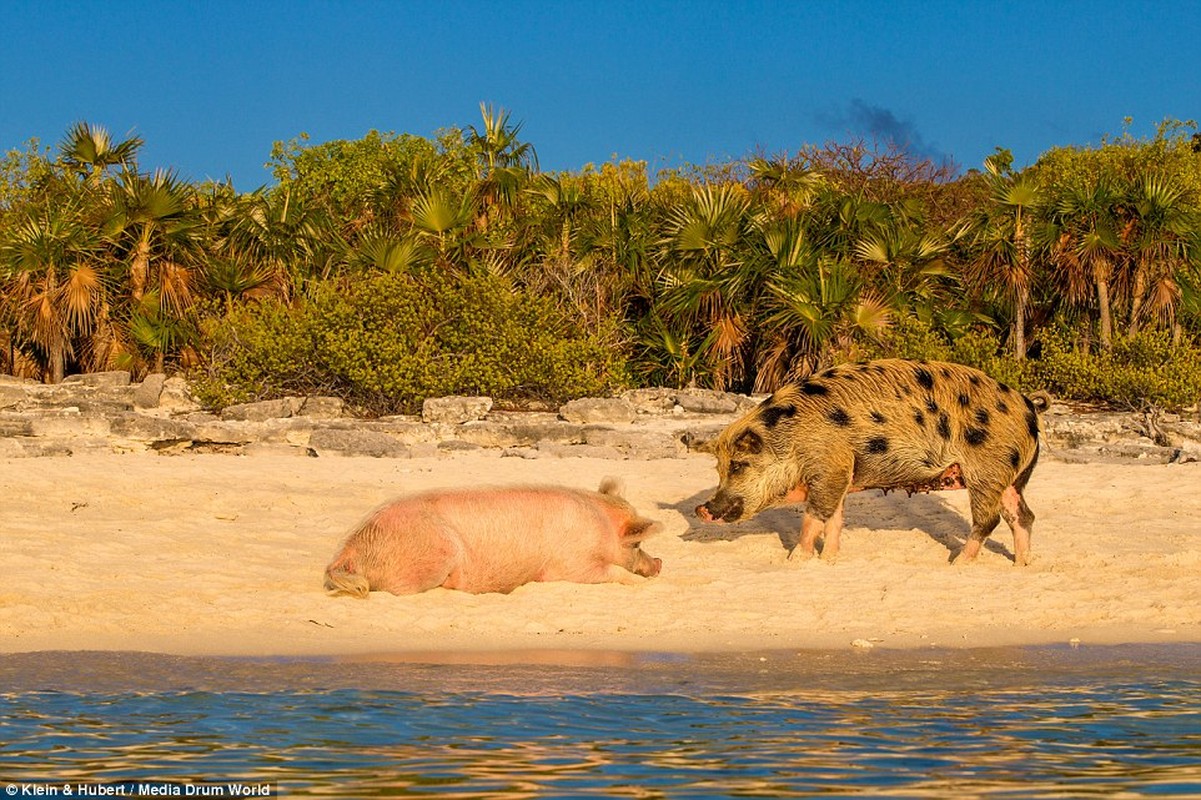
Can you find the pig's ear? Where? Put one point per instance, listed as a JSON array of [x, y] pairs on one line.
[[639, 529], [610, 486], [749, 442]]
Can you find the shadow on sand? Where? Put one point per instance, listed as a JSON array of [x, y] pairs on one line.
[[929, 513]]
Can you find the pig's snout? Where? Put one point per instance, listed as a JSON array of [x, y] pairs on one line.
[[642, 564], [721, 509]]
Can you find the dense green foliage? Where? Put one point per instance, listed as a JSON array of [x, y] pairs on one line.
[[389, 341], [394, 267]]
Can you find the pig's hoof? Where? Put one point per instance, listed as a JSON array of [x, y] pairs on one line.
[[799, 554]]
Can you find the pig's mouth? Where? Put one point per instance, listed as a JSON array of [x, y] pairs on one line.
[[720, 510]]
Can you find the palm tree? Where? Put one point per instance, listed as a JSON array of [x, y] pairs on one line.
[[158, 231], [1084, 245], [906, 261], [497, 143], [155, 330], [444, 221], [1162, 218], [705, 280], [566, 260], [53, 283], [788, 189], [820, 307], [1002, 235], [813, 304], [288, 236], [90, 151], [503, 164], [154, 221], [383, 251]]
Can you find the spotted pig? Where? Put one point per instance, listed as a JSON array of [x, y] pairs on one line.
[[889, 424]]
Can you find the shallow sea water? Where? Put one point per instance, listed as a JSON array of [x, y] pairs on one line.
[[1015, 722]]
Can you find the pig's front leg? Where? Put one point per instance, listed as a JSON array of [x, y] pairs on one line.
[[830, 530]]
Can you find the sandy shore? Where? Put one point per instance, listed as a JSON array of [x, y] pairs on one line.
[[223, 555]]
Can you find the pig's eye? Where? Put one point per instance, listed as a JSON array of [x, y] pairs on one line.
[[736, 467]]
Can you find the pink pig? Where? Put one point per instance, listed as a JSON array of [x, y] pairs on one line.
[[494, 540]]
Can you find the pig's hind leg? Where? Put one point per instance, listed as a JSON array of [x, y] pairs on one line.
[[985, 499], [1020, 519]]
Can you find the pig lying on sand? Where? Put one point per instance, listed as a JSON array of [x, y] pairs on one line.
[[494, 540], [890, 424]]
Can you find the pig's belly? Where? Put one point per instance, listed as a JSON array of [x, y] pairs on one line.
[[910, 480]]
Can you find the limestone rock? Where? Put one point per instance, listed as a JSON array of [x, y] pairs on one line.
[[455, 410], [101, 380], [517, 434], [651, 401], [258, 412], [175, 398], [69, 422], [636, 444], [703, 401], [141, 427], [149, 390], [589, 410], [14, 424], [13, 396], [320, 407], [332, 441]]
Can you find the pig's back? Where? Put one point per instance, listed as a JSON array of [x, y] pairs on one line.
[[907, 420], [512, 536]]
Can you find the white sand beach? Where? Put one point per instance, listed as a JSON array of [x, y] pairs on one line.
[[224, 555]]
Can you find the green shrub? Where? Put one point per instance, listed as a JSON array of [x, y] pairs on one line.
[[1140, 370], [910, 337], [386, 342]]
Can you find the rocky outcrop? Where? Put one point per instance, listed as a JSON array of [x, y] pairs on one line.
[[109, 412], [455, 410]]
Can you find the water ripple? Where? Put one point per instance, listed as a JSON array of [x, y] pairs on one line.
[[1081, 736]]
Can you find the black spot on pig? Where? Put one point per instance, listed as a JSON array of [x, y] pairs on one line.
[[975, 436], [944, 426], [983, 417], [924, 378], [877, 445], [839, 417], [773, 414], [1015, 458], [1002, 406], [879, 418], [931, 406], [964, 400], [919, 418], [814, 389]]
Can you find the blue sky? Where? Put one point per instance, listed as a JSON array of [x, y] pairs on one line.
[[210, 85]]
